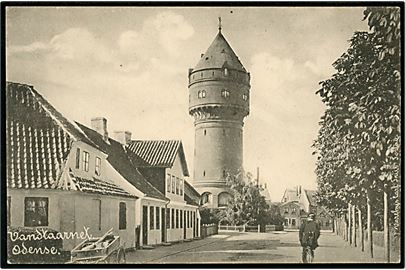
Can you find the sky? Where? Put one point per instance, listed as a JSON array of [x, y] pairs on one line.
[[130, 65]]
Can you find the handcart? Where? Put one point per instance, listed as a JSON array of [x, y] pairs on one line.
[[104, 249]]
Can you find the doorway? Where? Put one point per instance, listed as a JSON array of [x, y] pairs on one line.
[[145, 225], [163, 225]]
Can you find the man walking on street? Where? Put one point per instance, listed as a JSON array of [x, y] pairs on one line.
[[308, 235]]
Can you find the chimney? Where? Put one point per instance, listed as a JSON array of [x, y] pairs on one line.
[[99, 124], [123, 137]]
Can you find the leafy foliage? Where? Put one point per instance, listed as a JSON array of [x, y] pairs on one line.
[[358, 144], [247, 205]]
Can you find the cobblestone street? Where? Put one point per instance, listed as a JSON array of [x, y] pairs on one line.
[[232, 247]]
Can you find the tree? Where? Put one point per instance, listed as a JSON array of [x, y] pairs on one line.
[[247, 204], [358, 144]]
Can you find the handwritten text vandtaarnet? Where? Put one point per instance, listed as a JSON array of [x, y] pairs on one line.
[[43, 234]]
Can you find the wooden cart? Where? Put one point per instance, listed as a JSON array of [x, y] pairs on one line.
[[105, 249]]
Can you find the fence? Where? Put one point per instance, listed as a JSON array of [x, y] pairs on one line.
[[240, 228], [208, 229]]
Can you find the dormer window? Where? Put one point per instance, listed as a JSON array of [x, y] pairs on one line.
[[97, 170], [86, 157], [201, 94], [225, 93], [244, 97]]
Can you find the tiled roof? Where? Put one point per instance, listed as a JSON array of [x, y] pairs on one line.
[[118, 158], [218, 55], [38, 141], [98, 187], [157, 153]]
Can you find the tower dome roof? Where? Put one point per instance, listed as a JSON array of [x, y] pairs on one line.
[[219, 55]]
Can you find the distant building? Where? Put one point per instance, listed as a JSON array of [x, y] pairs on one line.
[[219, 88], [297, 203]]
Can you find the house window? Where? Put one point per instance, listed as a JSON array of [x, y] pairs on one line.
[[177, 185], [98, 166], [225, 93], [177, 218], [173, 219], [293, 210], [285, 222], [173, 184], [157, 218], [77, 158], [86, 157], [168, 183], [285, 210], [168, 218], [245, 97], [122, 225], [8, 210], [181, 218], [223, 173], [98, 205], [36, 211], [181, 187], [226, 72], [151, 217], [293, 222]]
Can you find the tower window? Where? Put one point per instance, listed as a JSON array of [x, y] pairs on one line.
[[245, 97], [223, 132], [203, 173], [213, 73], [202, 74], [226, 72], [225, 93], [201, 94], [205, 132], [224, 173]]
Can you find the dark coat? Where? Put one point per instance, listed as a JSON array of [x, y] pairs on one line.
[[306, 229]]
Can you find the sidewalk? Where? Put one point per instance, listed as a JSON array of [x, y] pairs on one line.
[[273, 247], [378, 252], [160, 252]]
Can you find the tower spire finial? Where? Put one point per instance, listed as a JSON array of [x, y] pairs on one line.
[[219, 24]]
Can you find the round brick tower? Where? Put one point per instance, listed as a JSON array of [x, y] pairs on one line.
[[219, 101]]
